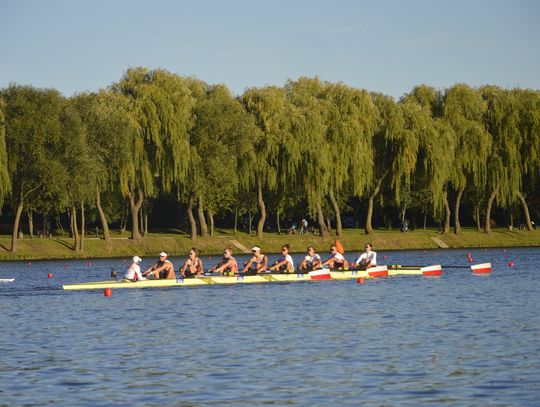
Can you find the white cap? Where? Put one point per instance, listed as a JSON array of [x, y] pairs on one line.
[[163, 254], [255, 249], [136, 259]]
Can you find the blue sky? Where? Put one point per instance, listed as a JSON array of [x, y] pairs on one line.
[[385, 46]]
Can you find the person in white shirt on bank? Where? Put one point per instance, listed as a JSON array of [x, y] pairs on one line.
[[367, 259], [133, 272]]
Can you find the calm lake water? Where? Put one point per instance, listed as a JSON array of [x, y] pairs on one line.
[[459, 339]]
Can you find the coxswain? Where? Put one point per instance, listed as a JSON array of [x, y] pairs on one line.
[[133, 273]]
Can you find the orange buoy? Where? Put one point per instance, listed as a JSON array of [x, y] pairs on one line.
[[511, 263], [50, 275], [339, 247], [107, 292], [360, 280]]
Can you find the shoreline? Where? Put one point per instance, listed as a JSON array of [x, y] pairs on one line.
[[177, 244]]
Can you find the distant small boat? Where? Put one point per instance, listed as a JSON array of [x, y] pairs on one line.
[[6, 280]]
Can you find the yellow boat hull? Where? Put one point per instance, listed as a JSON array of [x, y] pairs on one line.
[[262, 278]]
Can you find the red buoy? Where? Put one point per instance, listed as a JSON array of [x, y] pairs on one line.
[[89, 263], [385, 256], [29, 263], [511, 263], [107, 292], [50, 275], [360, 280]]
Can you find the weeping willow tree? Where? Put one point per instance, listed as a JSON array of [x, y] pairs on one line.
[[79, 169], [351, 120], [109, 128], [222, 143], [436, 146], [276, 152], [529, 133], [464, 110], [5, 180], [504, 166], [394, 153], [161, 104], [310, 162]]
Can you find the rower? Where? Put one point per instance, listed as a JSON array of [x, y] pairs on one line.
[[258, 263], [312, 261], [163, 268], [285, 262], [337, 260], [193, 266], [227, 265], [133, 273], [367, 259]]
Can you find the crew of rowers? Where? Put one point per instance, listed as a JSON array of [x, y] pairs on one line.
[[258, 263]]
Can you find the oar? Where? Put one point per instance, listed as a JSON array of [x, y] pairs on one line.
[[400, 266]]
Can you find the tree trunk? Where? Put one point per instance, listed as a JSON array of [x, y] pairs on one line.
[[211, 222], [328, 225], [74, 228], [337, 211], [511, 224], [30, 215], [16, 222], [320, 219], [487, 226], [141, 220], [250, 222], [525, 211], [135, 208], [235, 229], [123, 222], [457, 224], [447, 212], [83, 228], [71, 230], [146, 222], [44, 229], [262, 209], [59, 225], [371, 199], [202, 220], [278, 223], [425, 220], [477, 217], [192, 222], [103, 218]]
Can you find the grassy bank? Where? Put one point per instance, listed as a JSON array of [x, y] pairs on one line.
[[178, 244]]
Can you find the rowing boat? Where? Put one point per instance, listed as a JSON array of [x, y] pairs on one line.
[[381, 271], [6, 280]]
